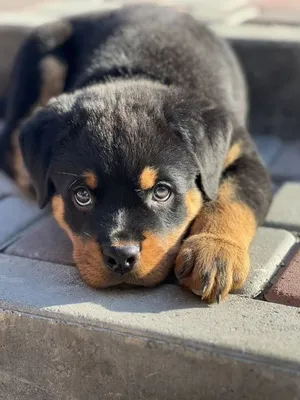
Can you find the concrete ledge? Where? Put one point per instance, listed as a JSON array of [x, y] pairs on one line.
[[61, 340]]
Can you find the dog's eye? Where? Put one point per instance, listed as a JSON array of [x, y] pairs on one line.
[[82, 197], [161, 192]]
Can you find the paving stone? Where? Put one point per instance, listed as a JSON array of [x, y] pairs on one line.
[[44, 240], [268, 250], [74, 342], [286, 164], [16, 214], [285, 209], [7, 186], [286, 289], [268, 147]]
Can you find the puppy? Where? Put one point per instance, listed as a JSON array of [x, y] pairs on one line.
[[132, 124]]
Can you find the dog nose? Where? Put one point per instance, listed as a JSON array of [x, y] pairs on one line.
[[121, 259]]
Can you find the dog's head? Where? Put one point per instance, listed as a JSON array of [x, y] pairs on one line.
[[127, 167]]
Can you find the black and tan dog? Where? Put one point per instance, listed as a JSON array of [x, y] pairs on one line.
[[145, 156]]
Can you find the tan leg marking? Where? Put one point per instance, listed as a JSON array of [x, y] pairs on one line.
[[214, 259]]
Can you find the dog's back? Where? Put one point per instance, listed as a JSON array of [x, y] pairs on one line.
[[161, 44]]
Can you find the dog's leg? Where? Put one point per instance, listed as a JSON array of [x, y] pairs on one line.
[[214, 259], [39, 73]]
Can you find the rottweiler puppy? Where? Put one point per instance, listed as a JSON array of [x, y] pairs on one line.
[[132, 123]]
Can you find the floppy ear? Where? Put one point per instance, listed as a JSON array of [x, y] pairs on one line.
[[37, 137], [206, 131]]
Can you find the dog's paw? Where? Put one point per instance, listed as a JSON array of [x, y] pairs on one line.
[[211, 266]]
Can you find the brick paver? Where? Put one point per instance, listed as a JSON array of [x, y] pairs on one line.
[[285, 209], [45, 241], [286, 288], [16, 214]]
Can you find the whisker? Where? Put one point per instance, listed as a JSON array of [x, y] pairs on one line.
[[87, 234], [67, 173]]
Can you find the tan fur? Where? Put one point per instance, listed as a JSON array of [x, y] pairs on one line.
[[234, 154], [193, 201], [21, 175], [91, 179], [227, 216], [148, 178], [86, 252], [53, 76], [159, 252], [222, 232]]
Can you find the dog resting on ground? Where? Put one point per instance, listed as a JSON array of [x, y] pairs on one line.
[[132, 124]]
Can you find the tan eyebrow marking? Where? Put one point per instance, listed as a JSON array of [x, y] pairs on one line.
[[148, 178], [90, 179]]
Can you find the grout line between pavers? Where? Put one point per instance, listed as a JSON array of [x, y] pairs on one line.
[[15, 236], [277, 226]]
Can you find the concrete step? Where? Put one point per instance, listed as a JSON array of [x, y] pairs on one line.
[[62, 340]]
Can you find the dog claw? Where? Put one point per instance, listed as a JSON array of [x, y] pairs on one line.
[[181, 271], [219, 298], [204, 289]]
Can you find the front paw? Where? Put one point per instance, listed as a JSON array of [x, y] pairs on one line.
[[212, 265]]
